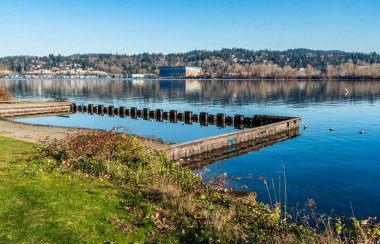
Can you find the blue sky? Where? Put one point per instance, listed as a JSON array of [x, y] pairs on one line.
[[40, 27]]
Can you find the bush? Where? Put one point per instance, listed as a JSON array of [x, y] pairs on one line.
[[5, 95], [103, 154]]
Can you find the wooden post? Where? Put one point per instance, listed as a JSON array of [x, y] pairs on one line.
[[152, 114], [122, 112], [196, 118], [180, 116], [203, 118], [159, 114], [188, 117], [101, 110], [133, 113], [73, 108], [173, 116], [212, 119], [146, 113], [111, 111], [91, 109], [230, 121]]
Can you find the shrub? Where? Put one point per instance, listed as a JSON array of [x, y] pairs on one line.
[[104, 154], [4, 95]]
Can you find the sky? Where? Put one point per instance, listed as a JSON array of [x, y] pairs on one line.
[[41, 27]]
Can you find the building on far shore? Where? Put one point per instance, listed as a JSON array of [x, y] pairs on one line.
[[136, 76], [180, 71]]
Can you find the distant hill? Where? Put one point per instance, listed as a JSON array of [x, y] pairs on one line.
[[235, 62]]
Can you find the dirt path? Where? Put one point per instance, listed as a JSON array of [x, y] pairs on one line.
[[32, 133]]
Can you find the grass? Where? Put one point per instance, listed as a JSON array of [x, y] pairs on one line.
[[54, 207], [106, 187]]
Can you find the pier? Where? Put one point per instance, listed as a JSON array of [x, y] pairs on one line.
[[22, 108], [254, 132]]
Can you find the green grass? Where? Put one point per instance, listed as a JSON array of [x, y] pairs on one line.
[[54, 207]]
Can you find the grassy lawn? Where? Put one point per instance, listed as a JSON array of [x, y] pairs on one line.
[[54, 207]]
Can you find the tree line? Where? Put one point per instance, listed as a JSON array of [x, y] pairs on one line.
[[234, 62]]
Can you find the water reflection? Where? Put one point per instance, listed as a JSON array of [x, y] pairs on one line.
[[197, 91]]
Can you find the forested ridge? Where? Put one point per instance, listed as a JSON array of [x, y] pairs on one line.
[[234, 62]]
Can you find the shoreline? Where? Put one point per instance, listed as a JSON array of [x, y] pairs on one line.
[[37, 133], [207, 78]]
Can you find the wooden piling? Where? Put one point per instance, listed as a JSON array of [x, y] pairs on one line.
[[159, 114], [122, 111], [203, 118], [188, 117], [101, 110], [212, 119], [90, 109], [173, 116], [146, 113]]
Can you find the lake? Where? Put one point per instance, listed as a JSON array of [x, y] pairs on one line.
[[336, 168]]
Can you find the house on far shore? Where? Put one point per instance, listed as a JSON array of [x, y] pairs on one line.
[[180, 71]]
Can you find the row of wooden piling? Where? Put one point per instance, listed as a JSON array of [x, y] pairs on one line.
[[188, 117]]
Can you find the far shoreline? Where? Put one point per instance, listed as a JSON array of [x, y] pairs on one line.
[[205, 79]]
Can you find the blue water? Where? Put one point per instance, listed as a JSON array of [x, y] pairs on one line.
[[336, 169]]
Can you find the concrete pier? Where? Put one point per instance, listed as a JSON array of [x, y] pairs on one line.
[[31, 108], [206, 145], [199, 161]]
